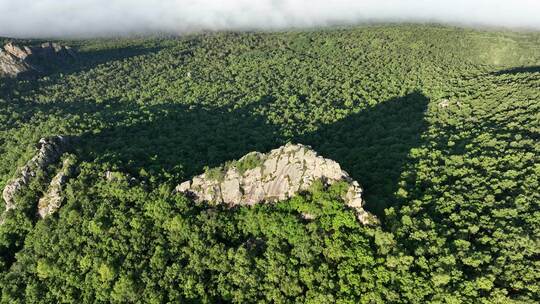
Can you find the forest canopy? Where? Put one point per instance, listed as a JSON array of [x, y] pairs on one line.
[[440, 126]]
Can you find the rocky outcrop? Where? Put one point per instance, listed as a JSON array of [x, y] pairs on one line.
[[11, 66], [16, 59], [49, 151], [52, 200], [275, 176]]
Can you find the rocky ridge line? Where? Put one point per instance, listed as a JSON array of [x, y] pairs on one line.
[[16, 60], [49, 151], [271, 177], [51, 201]]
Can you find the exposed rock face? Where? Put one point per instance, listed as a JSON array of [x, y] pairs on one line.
[[49, 151], [11, 66], [271, 177], [52, 200], [15, 59], [20, 52]]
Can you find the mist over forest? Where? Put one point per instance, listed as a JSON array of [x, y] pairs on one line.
[[90, 18]]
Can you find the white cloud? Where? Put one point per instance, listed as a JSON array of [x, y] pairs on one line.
[[38, 18]]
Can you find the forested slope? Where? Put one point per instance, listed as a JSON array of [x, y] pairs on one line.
[[439, 125]]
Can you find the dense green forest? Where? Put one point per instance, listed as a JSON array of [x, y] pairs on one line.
[[440, 125]]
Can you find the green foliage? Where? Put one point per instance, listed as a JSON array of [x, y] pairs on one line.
[[248, 162], [439, 125], [217, 173]]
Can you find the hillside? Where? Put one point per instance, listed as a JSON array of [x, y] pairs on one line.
[[439, 125]]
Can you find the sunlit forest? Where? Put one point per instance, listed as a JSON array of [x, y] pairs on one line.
[[440, 125]]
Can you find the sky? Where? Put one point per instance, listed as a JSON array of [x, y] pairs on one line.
[[92, 18]]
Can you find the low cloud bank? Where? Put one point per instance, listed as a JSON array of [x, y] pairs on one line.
[[89, 18]]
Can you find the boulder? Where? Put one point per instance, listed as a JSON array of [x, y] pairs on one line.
[[271, 177], [444, 103]]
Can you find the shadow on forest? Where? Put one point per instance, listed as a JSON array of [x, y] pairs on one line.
[[109, 111], [90, 59], [181, 140], [372, 145], [518, 70], [84, 61]]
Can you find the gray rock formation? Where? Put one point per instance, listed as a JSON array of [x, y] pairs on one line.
[[49, 151], [275, 176], [16, 60], [52, 200]]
